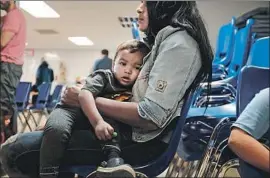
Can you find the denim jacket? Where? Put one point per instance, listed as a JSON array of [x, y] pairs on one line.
[[168, 71]]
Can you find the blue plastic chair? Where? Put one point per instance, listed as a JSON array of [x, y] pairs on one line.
[[153, 168], [259, 53], [228, 84], [224, 45], [22, 97], [258, 57], [135, 31], [40, 106], [55, 98], [252, 78], [240, 52]]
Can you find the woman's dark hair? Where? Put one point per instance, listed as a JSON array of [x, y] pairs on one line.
[[183, 14]]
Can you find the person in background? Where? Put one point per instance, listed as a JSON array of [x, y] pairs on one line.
[[44, 73], [13, 39], [104, 63], [252, 125]]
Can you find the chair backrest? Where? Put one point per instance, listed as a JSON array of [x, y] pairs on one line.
[[43, 95], [255, 75], [241, 49], [168, 155], [259, 53], [251, 81], [22, 94], [225, 42], [55, 96]]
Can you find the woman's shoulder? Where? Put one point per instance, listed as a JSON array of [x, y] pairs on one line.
[[176, 36]]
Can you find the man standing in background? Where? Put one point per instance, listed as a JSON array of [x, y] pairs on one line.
[[104, 63], [13, 39]]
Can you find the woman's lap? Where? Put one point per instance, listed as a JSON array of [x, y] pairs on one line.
[[21, 152]]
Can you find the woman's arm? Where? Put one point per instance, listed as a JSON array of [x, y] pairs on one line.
[[70, 95], [126, 112], [249, 149]]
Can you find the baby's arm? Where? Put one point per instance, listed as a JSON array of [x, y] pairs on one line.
[[94, 85], [103, 130], [88, 105]]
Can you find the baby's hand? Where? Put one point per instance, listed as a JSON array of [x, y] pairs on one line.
[[104, 130]]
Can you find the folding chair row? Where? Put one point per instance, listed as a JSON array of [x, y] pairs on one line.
[[44, 104], [38, 107]]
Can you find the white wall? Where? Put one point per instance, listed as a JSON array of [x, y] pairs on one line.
[[219, 12], [77, 62]]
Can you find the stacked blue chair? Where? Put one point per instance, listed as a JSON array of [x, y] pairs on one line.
[[260, 16], [55, 98], [22, 98], [241, 44], [217, 157], [222, 98], [40, 106], [154, 167], [224, 46]]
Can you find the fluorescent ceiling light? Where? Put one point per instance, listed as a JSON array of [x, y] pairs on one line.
[[81, 41], [51, 56], [38, 9]]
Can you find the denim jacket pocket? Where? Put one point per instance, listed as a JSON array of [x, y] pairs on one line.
[[165, 92]]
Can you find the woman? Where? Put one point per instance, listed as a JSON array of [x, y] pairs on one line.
[[179, 60]]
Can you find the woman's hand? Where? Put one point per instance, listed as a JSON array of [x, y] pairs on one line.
[[70, 95]]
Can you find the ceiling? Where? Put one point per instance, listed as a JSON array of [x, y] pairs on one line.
[[98, 20]]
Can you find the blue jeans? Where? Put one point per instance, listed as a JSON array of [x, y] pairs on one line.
[[62, 122], [20, 153]]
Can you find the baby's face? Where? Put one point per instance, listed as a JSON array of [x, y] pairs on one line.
[[127, 66]]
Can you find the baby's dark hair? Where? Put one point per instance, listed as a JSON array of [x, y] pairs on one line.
[[133, 46]]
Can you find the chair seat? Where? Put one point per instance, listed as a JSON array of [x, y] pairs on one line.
[[227, 110], [37, 107], [20, 108]]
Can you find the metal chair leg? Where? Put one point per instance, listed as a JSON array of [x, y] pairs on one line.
[[33, 117], [177, 167], [233, 163], [206, 163], [26, 121], [172, 165], [192, 169]]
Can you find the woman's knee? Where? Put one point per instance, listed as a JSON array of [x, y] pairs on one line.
[[8, 153]]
